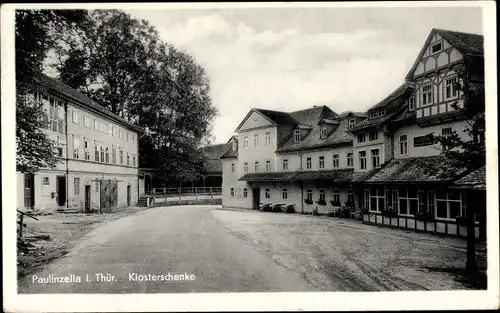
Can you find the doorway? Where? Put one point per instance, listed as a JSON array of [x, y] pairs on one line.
[[29, 191], [255, 198], [129, 190], [61, 190], [87, 198]]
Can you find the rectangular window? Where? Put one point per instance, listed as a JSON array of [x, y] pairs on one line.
[[377, 199], [308, 163], [245, 193], [245, 142], [268, 166], [113, 154], [121, 156], [233, 146], [232, 168], [76, 183], [256, 167], [408, 200], [336, 161], [375, 158], [256, 140], [128, 159], [76, 147], [449, 205], [86, 149], [296, 135], [450, 87], [285, 164], [427, 94], [435, 48], [350, 159], [309, 194], [268, 139], [446, 131], [120, 131], [323, 132], [59, 151], [133, 159], [373, 136], [351, 123], [322, 195], [336, 195], [245, 168], [96, 147], [411, 103], [403, 145], [361, 138], [107, 154], [45, 181], [102, 153], [96, 186], [75, 117], [284, 194], [86, 121], [232, 192], [268, 194], [350, 196], [362, 160], [321, 162]]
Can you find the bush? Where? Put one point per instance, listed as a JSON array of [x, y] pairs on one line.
[[321, 202], [278, 208], [335, 203], [308, 201], [267, 207], [290, 208]]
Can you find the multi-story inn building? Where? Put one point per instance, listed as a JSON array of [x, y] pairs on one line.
[[98, 153], [384, 160]]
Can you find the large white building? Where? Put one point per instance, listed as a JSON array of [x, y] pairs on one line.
[[374, 162], [97, 150]]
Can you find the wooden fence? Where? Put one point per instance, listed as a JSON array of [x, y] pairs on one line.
[[164, 195]]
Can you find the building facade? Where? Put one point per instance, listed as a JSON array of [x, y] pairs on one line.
[[97, 150], [385, 163]]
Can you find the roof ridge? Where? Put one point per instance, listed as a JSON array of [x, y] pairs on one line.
[[454, 31]]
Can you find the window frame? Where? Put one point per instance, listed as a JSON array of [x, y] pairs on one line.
[[434, 44], [361, 136], [321, 162], [323, 132], [76, 186], [308, 163], [336, 160], [268, 139], [268, 166], [374, 137], [285, 164], [296, 136], [256, 167], [245, 167], [284, 194], [375, 157], [428, 95], [403, 144], [451, 87], [362, 160], [245, 142], [350, 160], [411, 103], [267, 193]]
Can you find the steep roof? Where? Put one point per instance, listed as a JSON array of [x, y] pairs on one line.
[[400, 91], [280, 118], [267, 176], [373, 122], [80, 98], [468, 44], [215, 151], [313, 115], [339, 136]]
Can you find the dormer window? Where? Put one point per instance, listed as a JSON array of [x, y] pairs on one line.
[[322, 134], [411, 104], [296, 135], [233, 146], [381, 113], [435, 48], [351, 123]]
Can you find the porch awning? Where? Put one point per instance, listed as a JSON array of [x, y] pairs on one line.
[[475, 180], [267, 177], [436, 169]]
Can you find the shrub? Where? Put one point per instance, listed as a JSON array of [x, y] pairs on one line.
[[290, 208], [267, 207], [335, 203], [321, 202], [308, 201], [278, 208]]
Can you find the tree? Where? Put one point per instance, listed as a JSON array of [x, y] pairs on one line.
[[34, 36], [468, 152], [121, 63]]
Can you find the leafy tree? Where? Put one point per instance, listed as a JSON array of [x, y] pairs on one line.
[[122, 64], [34, 35]]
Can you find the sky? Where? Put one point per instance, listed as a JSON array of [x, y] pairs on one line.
[[293, 58]]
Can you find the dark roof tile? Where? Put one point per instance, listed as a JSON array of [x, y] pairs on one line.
[[280, 118]]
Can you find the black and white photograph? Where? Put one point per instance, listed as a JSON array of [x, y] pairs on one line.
[[310, 154]]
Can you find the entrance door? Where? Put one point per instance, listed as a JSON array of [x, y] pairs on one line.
[[256, 198], [128, 195], [109, 195], [29, 191], [61, 190], [87, 198]]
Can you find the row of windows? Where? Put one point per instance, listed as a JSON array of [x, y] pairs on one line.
[[376, 113], [309, 194], [101, 153], [375, 158], [256, 140], [408, 201], [104, 127], [372, 136], [450, 91]]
